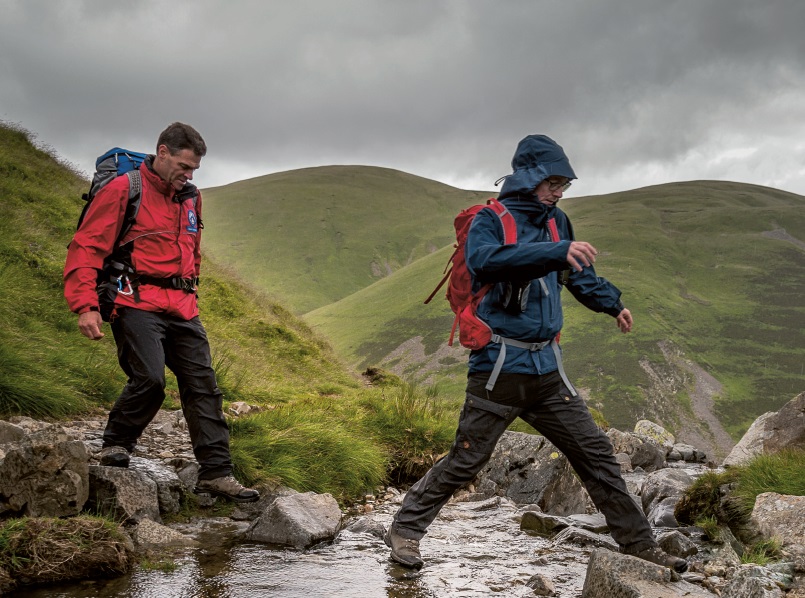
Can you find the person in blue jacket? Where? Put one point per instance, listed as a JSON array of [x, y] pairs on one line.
[[520, 373]]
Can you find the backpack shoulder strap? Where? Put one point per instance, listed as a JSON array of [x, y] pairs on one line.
[[506, 220], [133, 205]]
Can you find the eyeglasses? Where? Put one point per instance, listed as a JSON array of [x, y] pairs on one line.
[[554, 185]]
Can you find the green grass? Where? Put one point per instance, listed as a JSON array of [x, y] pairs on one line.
[[312, 433], [780, 472], [312, 236], [696, 268]]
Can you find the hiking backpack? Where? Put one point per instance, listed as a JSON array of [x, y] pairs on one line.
[[114, 163], [473, 333]]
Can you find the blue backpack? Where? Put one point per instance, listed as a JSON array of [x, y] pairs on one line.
[[114, 163]]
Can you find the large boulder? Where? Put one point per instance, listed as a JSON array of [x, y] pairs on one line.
[[297, 520], [645, 452], [530, 470], [43, 474], [783, 517], [612, 574], [772, 432], [123, 494]]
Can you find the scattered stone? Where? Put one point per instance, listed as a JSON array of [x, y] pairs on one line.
[[541, 585]]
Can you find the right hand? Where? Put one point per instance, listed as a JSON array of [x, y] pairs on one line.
[[581, 254], [89, 323]]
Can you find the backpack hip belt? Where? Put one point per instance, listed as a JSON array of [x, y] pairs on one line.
[[188, 285], [533, 347]]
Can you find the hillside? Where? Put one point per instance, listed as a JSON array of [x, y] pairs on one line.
[[714, 273], [310, 237], [320, 427]]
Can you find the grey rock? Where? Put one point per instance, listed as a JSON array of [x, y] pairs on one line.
[[614, 575], [677, 544], [752, 581], [581, 537], [150, 534], [772, 432], [541, 585], [169, 486], [123, 494], [299, 520], [528, 469], [662, 513], [662, 484], [44, 474], [543, 524]]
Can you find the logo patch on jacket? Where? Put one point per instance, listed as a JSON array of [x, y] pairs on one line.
[[192, 223]]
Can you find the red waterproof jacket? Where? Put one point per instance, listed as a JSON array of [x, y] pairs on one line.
[[167, 239]]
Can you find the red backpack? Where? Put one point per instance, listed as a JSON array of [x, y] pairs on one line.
[[474, 333]]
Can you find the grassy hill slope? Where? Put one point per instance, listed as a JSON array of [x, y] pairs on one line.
[[313, 236], [321, 428], [716, 268]]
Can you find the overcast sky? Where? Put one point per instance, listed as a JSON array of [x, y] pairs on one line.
[[637, 92]]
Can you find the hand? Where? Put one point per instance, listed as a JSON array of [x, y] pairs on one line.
[[624, 321], [89, 323], [581, 254]]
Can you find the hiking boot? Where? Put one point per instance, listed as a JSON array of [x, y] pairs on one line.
[[658, 556], [403, 550], [114, 456], [226, 487]]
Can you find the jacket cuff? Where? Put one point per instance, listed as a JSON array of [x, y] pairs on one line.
[[84, 310]]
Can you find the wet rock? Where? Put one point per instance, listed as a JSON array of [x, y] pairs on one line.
[[677, 544], [643, 452], [543, 524], [170, 487], [43, 474], [662, 513], [542, 585], [594, 522], [620, 575], [529, 469], [123, 494], [663, 484], [581, 537], [299, 520], [772, 432], [752, 581], [150, 534]]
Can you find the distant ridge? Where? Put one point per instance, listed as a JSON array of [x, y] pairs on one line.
[[312, 236]]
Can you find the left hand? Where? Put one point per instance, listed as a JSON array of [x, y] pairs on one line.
[[624, 321]]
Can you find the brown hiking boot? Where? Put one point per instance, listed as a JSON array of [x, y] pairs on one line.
[[658, 556], [114, 456], [403, 550], [226, 487]]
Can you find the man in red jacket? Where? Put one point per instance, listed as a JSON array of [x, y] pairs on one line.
[[154, 318]]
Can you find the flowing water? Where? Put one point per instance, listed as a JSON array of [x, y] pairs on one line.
[[473, 549]]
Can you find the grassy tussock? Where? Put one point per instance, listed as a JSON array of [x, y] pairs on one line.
[[63, 549], [728, 498]]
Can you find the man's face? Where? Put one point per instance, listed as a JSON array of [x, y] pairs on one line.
[[549, 191], [177, 168]]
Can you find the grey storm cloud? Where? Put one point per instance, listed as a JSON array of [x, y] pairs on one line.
[[637, 92]]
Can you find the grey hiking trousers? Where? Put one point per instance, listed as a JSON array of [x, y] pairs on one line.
[[544, 402], [146, 343]]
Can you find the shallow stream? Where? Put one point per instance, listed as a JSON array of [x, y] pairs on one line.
[[473, 549]]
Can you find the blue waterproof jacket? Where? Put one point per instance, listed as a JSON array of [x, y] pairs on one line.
[[525, 302]]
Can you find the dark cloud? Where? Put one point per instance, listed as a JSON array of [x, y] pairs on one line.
[[637, 92]]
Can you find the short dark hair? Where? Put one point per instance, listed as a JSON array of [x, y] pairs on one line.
[[179, 136]]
